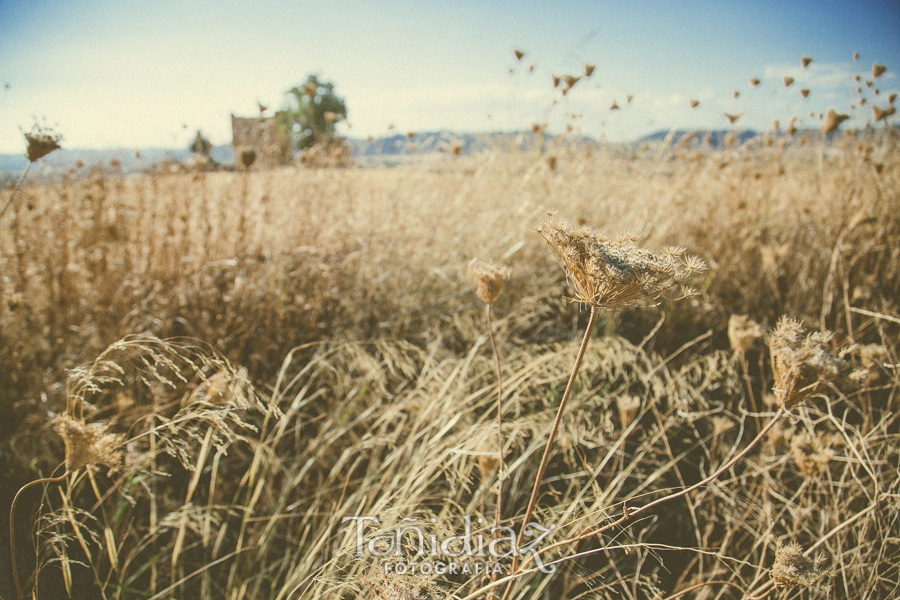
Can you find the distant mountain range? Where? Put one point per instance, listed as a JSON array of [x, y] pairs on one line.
[[370, 152]]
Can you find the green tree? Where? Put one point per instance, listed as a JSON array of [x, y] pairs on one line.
[[312, 113]]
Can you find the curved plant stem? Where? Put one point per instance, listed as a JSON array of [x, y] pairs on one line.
[[546, 458], [12, 525], [498, 514], [16, 189]]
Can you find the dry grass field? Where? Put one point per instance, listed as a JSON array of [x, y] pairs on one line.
[[217, 368]]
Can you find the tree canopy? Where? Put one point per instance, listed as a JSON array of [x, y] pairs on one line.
[[312, 113]]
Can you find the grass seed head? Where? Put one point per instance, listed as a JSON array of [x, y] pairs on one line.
[[489, 279], [615, 273]]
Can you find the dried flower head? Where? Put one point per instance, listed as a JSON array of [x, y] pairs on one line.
[[89, 444], [833, 120], [570, 80], [743, 332], [394, 586], [489, 279], [793, 569], [248, 157], [812, 453], [41, 142], [612, 274], [802, 365]]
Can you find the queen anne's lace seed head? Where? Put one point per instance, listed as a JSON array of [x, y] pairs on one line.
[[489, 279], [802, 366], [615, 273]]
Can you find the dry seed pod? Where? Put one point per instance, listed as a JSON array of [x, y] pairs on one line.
[[615, 273], [802, 366], [89, 444], [793, 569], [571, 80], [743, 332], [833, 120], [489, 279]]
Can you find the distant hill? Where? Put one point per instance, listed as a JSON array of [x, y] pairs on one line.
[[716, 137]]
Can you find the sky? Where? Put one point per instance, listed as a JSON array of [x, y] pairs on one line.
[[126, 74]]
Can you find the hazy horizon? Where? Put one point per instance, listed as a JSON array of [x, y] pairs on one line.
[[128, 75]]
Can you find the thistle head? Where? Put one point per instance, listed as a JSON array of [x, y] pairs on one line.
[[615, 273]]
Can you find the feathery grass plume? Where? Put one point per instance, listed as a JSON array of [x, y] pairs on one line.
[[793, 569], [787, 81], [878, 70], [801, 364], [743, 332], [833, 120], [489, 279], [805, 60], [89, 444], [753, 81], [614, 273]]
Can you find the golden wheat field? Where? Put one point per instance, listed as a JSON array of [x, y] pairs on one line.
[[225, 378]]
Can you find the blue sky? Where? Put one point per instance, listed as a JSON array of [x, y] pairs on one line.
[[118, 73]]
